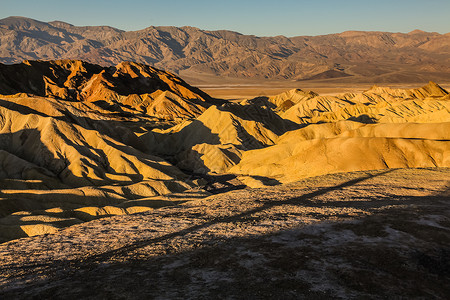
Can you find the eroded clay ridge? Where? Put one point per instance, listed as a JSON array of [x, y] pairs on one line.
[[142, 87]]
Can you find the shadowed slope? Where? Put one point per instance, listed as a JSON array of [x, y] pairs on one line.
[[379, 104], [215, 140], [62, 163], [394, 128], [293, 160]]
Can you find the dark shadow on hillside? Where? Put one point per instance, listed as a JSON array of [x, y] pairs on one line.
[[260, 114], [25, 110], [115, 108], [365, 119], [124, 84], [32, 160], [115, 128], [27, 148], [33, 78], [10, 203], [222, 183], [267, 180], [193, 134], [262, 101], [24, 147], [29, 78]]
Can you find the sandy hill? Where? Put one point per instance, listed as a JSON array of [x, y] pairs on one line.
[[427, 104], [69, 143], [216, 139], [354, 56], [300, 134], [377, 129], [367, 147]]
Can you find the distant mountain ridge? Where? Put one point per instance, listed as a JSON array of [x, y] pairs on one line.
[[355, 55]]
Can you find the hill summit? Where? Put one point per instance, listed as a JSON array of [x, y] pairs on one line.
[[139, 86]]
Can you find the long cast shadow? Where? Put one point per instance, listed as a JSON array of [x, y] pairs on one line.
[[368, 266], [123, 251], [270, 204]]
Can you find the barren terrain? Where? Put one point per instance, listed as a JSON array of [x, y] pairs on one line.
[[125, 181], [378, 234], [247, 89]]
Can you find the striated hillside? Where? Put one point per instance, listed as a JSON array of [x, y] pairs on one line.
[[140, 87], [349, 56], [378, 129]]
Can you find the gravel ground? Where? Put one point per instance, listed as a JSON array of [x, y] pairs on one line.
[[377, 234]]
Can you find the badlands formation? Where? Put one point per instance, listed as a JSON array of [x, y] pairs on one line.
[[127, 181], [80, 141]]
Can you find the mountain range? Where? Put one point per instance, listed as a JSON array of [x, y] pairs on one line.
[[353, 56]]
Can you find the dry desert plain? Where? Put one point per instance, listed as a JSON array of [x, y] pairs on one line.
[[235, 89], [128, 182]]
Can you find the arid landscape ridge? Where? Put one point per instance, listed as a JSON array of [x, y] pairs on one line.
[[201, 55]]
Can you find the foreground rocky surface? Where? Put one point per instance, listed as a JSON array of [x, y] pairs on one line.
[[370, 234]]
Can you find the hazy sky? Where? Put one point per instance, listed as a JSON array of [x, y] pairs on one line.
[[262, 18]]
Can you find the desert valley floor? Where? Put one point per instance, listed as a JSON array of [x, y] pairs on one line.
[[127, 182]]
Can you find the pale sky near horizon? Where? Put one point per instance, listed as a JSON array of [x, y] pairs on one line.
[[262, 18]]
